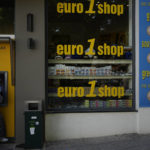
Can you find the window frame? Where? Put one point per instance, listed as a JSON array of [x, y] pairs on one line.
[[89, 110]]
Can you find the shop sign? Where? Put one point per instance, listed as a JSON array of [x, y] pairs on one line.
[[144, 52]]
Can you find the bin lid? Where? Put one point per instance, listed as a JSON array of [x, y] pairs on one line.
[[33, 105]]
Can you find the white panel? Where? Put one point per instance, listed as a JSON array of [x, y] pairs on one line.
[[71, 126], [144, 120]]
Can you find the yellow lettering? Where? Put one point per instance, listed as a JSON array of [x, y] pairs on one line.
[[113, 50], [60, 49], [106, 49], [148, 74], [100, 9], [101, 92], [145, 44], [113, 9], [120, 92], [110, 50], [73, 49], [67, 7], [67, 49], [107, 91], [90, 11], [110, 9], [80, 91], [106, 8], [120, 10], [114, 91], [68, 91], [80, 8], [120, 50], [70, 49], [60, 7], [111, 91], [100, 50], [90, 52], [143, 74], [80, 50], [73, 7], [60, 92], [74, 89], [91, 94]]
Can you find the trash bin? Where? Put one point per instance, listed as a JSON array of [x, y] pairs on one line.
[[34, 125]]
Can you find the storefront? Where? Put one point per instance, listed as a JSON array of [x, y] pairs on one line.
[[91, 65], [82, 59]]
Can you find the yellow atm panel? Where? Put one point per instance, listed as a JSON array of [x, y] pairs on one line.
[[7, 64]]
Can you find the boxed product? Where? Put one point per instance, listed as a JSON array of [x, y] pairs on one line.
[[100, 104], [86, 104], [129, 103], [51, 71], [92, 104]]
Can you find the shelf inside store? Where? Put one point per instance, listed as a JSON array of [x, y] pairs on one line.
[[89, 77], [127, 48], [89, 61], [55, 94]]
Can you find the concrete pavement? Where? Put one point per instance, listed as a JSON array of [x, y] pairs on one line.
[[118, 142]]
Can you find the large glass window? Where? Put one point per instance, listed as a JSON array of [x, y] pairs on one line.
[[7, 16], [90, 55]]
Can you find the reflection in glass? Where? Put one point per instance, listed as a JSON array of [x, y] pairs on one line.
[[7, 17], [76, 70]]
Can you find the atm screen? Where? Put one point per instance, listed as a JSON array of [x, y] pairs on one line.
[[3, 88]]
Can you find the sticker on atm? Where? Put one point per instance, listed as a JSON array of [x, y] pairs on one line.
[[2, 47], [34, 117]]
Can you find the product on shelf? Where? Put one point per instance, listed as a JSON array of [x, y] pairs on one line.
[[51, 71], [59, 57], [112, 103], [100, 104], [92, 104], [129, 103], [79, 71], [128, 91], [86, 104]]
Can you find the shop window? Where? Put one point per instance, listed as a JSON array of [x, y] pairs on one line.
[[7, 16], [90, 56]]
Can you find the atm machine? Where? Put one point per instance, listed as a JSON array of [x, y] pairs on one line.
[[7, 89]]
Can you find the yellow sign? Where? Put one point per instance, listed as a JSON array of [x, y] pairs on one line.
[[80, 92], [101, 49], [102, 8]]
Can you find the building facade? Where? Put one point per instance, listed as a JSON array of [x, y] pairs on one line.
[[82, 59]]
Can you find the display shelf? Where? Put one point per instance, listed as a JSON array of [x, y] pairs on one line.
[[55, 95], [89, 61], [58, 110], [127, 48], [89, 77]]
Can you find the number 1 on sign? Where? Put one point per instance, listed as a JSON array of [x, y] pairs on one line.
[[90, 52], [91, 94], [90, 11]]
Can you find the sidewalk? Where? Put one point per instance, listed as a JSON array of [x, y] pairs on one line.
[[119, 142]]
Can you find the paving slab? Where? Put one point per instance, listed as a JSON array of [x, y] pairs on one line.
[[117, 142]]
